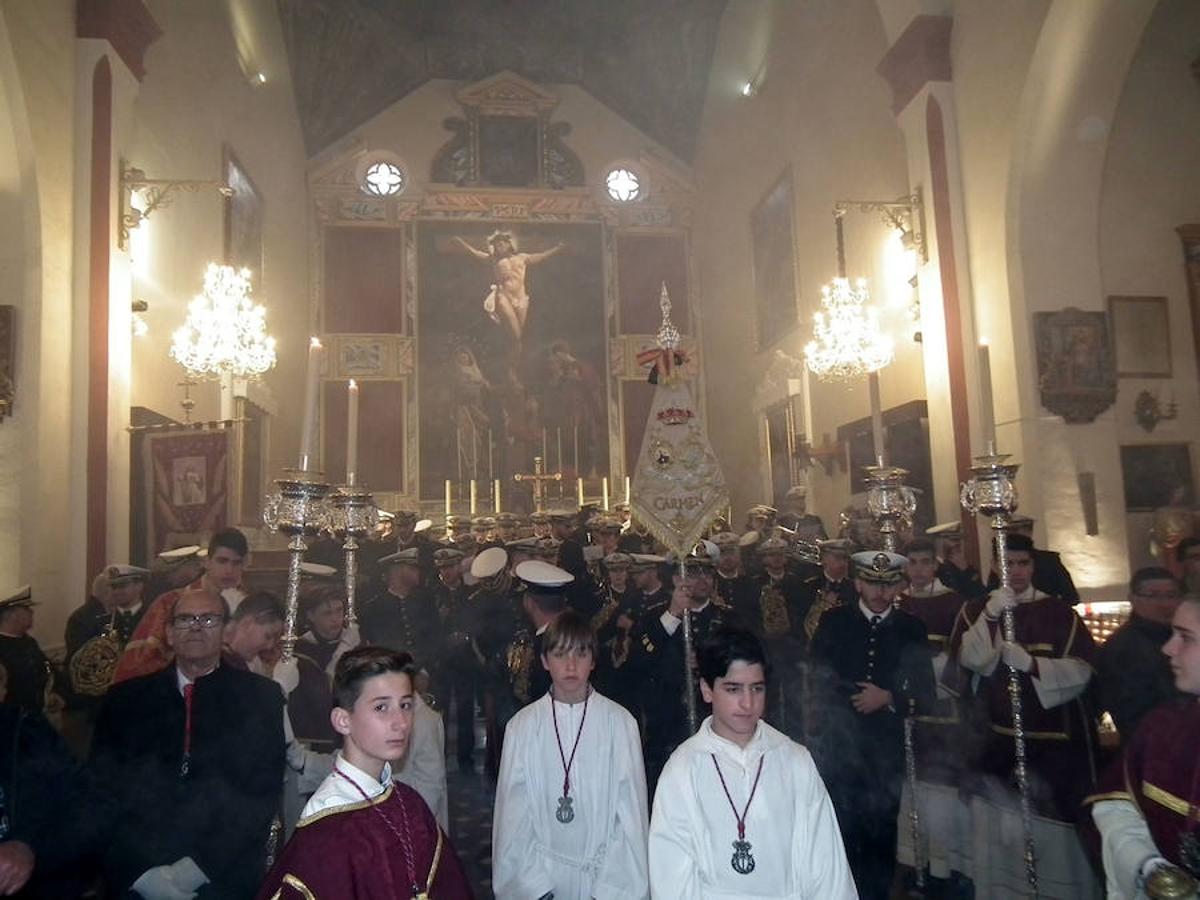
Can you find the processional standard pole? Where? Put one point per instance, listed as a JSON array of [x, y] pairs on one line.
[[991, 493], [892, 504]]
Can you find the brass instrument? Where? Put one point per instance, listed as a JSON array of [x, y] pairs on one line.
[[825, 601], [1171, 883], [92, 667], [519, 658], [772, 604]]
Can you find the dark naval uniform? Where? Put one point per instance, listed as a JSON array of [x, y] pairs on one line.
[[657, 658], [1133, 675], [861, 757], [310, 702], [404, 623], [29, 671]]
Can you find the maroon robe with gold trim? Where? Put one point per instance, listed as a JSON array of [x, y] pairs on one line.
[[351, 853], [1060, 741], [1157, 773]]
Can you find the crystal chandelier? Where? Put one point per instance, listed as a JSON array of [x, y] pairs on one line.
[[847, 342], [225, 332]]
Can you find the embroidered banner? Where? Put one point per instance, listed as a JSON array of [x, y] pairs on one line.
[[187, 487], [678, 487]]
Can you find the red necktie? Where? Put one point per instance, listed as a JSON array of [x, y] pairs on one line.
[[187, 730]]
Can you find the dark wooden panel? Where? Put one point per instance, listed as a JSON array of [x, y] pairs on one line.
[[644, 262], [380, 434], [364, 281]]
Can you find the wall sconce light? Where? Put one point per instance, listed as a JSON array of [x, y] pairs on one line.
[[1148, 411], [157, 193], [905, 214]]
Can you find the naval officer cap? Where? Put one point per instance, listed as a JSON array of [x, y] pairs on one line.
[[447, 556], [541, 577], [119, 574], [843, 546], [409, 557], [952, 530], [725, 540], [507, 520], [490, 562], [761, 509], [618, 561], [546, 548], [879, 566], [317, 571], [772, 545], [644, 562], [422, 525], [179, 555], [21, 597], [561, 515], [405, 515]]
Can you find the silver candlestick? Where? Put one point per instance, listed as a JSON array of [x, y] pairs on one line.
[[892, 504], [890, 501], [352, 516], [992, 493], [296, 508]]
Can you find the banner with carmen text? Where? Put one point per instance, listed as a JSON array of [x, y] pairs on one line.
[[187, 487], [678, 487]]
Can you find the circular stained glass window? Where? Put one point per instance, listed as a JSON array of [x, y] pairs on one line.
[[383, 179], [623, 185]]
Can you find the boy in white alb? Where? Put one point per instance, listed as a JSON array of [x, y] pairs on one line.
[[571, 810], [740, 810]]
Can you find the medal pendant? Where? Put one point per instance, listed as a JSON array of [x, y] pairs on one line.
[[566, 810], [742, 860]]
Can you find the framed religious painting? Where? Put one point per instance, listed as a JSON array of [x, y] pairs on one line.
[[1076, 375], [243, 219], [513, 358], [773, 249], [1142, 336], [1157, 475]]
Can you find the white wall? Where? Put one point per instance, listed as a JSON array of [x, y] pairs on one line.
[[1151, 186], [824, 111]]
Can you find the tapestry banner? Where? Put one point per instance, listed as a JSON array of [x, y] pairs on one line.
[[187, 487]]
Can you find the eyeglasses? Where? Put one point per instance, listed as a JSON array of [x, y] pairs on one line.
[[205, 620]]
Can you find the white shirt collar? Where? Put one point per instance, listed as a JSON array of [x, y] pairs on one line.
[[129, 610], [870, 614], [183, 681], [935, 589], [345, 786], [743, 756]]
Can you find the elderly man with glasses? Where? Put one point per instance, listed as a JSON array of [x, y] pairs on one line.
[[1133, 674], [191, 759]]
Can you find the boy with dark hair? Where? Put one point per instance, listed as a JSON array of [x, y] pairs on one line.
[[740, 783], [570, 817], [361, 835], [254, 632], [147, 650]]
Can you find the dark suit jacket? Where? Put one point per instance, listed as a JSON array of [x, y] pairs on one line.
[[219, 813]]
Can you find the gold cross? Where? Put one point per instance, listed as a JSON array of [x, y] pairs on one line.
[[539, 477]]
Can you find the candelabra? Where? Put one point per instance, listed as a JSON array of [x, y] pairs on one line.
[[890, 501], [991, 493], [352, 516], [892, 504], [298, 507]]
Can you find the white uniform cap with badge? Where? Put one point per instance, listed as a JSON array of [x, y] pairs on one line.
[[945, 529], [317, 570], [879, 566], [22, 596], [179, 554], [749, 539], [409, 557], [123, 573], [490, 562], [423, 525], [542, 577]]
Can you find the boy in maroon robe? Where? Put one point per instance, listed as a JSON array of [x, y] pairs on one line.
[[1148, 807], [361, 835]]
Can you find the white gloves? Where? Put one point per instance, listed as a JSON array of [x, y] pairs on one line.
[[999, 600], [287, 675], [350, 637], [178, 881], [1016, 656]]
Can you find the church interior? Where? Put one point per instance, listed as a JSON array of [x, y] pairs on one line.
[[893, 233]]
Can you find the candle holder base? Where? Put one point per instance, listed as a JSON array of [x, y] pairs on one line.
[[296, 508], [352, 516]]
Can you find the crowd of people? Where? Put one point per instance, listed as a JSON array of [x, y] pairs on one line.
[[775, 714]]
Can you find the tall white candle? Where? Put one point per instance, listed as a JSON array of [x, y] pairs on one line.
[[309, 427], [352, 433], [496, 495], [987, 415], [626, 488], [604, 491], [876, 418], [448, 498], [579, 488], [474, 497]]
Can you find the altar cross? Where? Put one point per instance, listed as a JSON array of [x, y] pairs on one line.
[[539, 477]]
